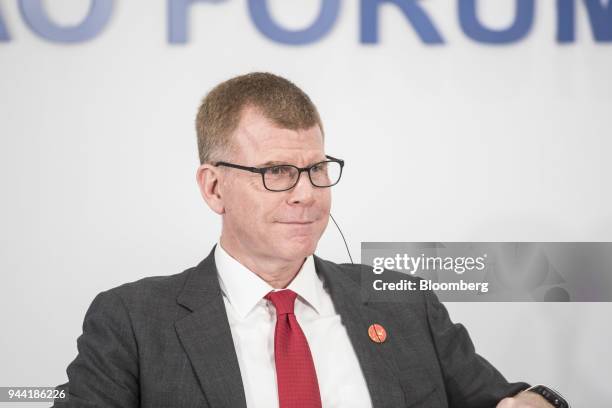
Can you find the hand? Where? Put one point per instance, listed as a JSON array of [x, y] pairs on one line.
[[524, 399]]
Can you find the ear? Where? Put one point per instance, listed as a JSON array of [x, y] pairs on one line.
[[208, 179]]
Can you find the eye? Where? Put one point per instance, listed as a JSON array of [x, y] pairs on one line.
[[279, 170], [319, 167]]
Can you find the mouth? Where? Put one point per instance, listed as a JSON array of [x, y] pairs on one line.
[[296, 222]]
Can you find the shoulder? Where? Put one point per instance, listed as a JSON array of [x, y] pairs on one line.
[[367, 283], [149, 293], [360, 273]]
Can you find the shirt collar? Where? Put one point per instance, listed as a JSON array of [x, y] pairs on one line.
[[244, 289]]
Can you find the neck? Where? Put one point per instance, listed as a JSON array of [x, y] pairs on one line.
[[278, 273]]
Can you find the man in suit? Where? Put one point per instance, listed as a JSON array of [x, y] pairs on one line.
[[262, 321]]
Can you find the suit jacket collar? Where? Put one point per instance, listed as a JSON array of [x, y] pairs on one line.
[[206, 336]]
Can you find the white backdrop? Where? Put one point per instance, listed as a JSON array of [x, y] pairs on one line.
[[472, 142]]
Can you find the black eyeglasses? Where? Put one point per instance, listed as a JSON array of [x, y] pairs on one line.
[[284, 177]]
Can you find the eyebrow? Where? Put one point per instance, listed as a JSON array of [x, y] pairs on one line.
[[272, 163], [281, 162]]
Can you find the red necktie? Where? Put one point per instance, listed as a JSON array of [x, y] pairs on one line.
[[295, 372]]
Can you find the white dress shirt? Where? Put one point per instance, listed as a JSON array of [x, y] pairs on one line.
[[252, 321]]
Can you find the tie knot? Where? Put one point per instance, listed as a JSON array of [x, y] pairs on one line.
[[283, 300]]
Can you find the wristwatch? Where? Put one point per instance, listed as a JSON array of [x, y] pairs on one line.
[[552, 396]]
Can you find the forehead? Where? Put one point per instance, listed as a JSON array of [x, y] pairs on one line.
[[258, 138]]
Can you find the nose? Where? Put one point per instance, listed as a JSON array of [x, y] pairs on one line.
[[303, 192]]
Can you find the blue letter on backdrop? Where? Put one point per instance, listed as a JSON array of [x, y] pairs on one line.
[[419, 20], [476, 31], [177, 19], [4, 35], [600, 17], [264, 23], [35, 16]]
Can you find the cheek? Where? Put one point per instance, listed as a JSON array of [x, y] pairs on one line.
[[244, 200], [258, 209], [324, 200]]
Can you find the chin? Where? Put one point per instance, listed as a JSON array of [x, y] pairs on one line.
[[299, 247]]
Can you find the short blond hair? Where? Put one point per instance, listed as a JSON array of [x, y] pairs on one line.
[[278, 99]]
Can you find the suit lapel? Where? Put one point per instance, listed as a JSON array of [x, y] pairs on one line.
[[376, 359], [207, 339]]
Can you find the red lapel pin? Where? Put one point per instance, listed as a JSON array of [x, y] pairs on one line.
[[377, 333]]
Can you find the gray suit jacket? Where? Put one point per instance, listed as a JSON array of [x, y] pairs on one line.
[[166, 342]]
